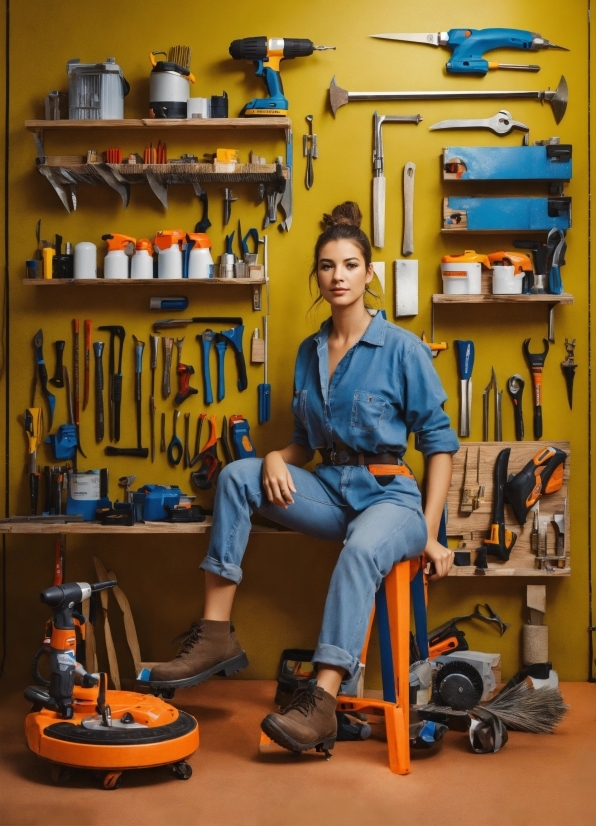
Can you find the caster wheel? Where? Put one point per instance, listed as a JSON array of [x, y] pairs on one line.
[[182, 770], [60, 774], [167, 693], [111, 780]]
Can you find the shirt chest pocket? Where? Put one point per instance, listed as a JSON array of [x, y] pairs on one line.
[[299, 405], [367, 410]]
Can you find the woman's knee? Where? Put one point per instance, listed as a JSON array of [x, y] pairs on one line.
[[240, 473]]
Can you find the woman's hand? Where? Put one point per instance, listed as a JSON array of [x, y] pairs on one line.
[[277, 480], [440, 556]]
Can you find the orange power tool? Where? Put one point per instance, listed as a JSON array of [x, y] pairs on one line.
[[542, 475]]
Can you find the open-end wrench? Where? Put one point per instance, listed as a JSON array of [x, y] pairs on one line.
[[536, 365], [501, 124], [515, 386]]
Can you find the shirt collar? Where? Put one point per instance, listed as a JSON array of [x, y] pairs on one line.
[[375, 332]]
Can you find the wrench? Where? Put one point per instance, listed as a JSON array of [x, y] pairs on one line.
[[501, 124]]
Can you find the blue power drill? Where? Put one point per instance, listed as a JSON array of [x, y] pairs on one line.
[[267, 54]]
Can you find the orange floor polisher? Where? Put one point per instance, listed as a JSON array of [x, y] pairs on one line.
[[78, 723]]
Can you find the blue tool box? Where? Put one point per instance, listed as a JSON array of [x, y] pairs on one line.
[[507, 163], [506, 214]]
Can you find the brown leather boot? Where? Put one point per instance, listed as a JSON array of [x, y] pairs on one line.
[[308, 722], [210, 647]]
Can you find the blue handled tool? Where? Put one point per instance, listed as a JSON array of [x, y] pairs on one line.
[[267, 54], [240, 432], [244, 239], [465, 362], [234, 336], [42, 373], [206, 339], [264, 389], [469, 45], [221, 345]]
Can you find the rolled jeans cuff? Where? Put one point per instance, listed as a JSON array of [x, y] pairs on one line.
[[332, 655], [223, 569]]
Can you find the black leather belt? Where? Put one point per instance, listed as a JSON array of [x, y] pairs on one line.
[[345, 456]]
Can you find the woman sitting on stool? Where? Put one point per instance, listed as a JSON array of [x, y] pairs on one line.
[[361, 386]]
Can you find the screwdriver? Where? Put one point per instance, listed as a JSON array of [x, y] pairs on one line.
[[264, 389], [465, 359]]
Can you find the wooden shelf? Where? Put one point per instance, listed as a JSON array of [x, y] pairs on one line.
[[470, 570], [93, 528], [152, 282], [489, 298], [166, 174], [158, 123]]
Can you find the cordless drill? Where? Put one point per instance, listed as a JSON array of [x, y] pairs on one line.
[[267, 54]]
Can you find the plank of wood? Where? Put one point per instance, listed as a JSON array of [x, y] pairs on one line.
[[473, 528], [489, 298], [152, 282], [143, 123]]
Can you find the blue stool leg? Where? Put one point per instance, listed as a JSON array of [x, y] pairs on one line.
[[387, 675]]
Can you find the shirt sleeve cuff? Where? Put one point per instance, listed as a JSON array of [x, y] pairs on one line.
[[437, 441]]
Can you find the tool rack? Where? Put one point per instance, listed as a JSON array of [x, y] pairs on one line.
[[473, 528]]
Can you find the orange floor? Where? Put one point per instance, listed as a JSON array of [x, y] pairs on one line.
[[547, 780]]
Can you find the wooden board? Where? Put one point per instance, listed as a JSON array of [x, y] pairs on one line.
[[181, 125], [152, 282], [102, 530], [473, 528], [489, 298]]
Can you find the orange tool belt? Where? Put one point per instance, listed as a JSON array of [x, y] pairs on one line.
[[391, 470]]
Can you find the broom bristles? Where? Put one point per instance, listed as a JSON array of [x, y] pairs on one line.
[[525, 708]]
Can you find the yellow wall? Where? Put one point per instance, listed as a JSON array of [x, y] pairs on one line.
[[281, 600]]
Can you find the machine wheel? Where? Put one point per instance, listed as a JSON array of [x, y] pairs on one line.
[[60, 774], [111, 780], [182, 770]]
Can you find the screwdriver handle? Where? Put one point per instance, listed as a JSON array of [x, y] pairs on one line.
[[465, 358]]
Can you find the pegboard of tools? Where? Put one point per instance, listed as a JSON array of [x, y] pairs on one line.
[[542, 547]]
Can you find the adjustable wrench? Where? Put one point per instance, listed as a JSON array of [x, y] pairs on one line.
[[536, 365], [501, 124]]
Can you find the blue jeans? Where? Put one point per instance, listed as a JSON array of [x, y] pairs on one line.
[[375, 538]]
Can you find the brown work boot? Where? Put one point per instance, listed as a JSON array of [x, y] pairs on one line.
[[308, 722], [210, 647]]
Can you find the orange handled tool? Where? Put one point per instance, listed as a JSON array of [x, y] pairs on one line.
[[536, 365], [542, 475]]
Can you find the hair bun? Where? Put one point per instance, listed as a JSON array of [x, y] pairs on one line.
[[346, 213]]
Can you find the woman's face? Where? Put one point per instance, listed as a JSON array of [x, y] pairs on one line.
[[342, 274]]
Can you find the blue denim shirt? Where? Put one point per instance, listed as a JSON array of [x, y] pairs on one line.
[[383, 389]]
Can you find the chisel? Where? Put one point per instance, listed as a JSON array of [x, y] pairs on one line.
[[264, 389], [77, 387], [465, 359]]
